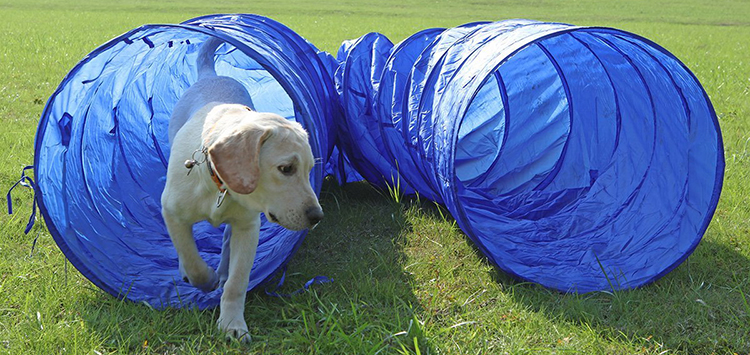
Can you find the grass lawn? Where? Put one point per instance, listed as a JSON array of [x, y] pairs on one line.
[[407, 279]]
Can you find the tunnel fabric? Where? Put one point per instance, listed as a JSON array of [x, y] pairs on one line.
[[579, 158]]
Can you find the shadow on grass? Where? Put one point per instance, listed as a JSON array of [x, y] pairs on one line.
[[359, 246], [701, 307], [369, 308], [698, 308]]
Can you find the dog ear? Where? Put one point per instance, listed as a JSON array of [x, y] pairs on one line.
[[236, 158]]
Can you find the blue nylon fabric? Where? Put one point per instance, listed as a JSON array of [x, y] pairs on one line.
[[390, 105], [582, 159], [101, 148], [362, 136], [579, 158]]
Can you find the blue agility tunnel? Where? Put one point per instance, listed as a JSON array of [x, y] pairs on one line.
[[579, 158], [101, 148]]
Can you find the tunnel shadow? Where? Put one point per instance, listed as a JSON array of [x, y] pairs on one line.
[[369, 306], [359, 246], [701, 307]]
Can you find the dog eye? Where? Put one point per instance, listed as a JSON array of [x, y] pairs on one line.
[[286, 169]]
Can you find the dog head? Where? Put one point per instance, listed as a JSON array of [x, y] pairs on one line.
[[265, 160]]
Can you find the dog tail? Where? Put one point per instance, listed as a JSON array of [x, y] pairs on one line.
[[205, 59]]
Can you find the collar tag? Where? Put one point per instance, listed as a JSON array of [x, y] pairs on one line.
[[220, 199]]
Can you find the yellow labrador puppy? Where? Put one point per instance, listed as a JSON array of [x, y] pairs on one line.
[[239, 163]]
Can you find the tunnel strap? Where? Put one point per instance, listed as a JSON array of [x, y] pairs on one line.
[[317, 280], [24, 181]]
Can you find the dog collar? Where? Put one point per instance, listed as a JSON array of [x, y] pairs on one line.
[[215, 178], [223, 192]]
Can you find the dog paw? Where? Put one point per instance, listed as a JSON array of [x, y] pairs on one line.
[[235, 329], [210, 285], [206, 280]]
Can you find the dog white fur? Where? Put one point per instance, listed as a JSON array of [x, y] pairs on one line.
[[262, 159]]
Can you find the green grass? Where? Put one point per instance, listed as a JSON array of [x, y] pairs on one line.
[[407, 279]]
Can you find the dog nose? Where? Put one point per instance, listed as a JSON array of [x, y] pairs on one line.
[[314, 215]]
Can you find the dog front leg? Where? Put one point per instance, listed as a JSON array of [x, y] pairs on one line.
[[242, 247], [192, 266]]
